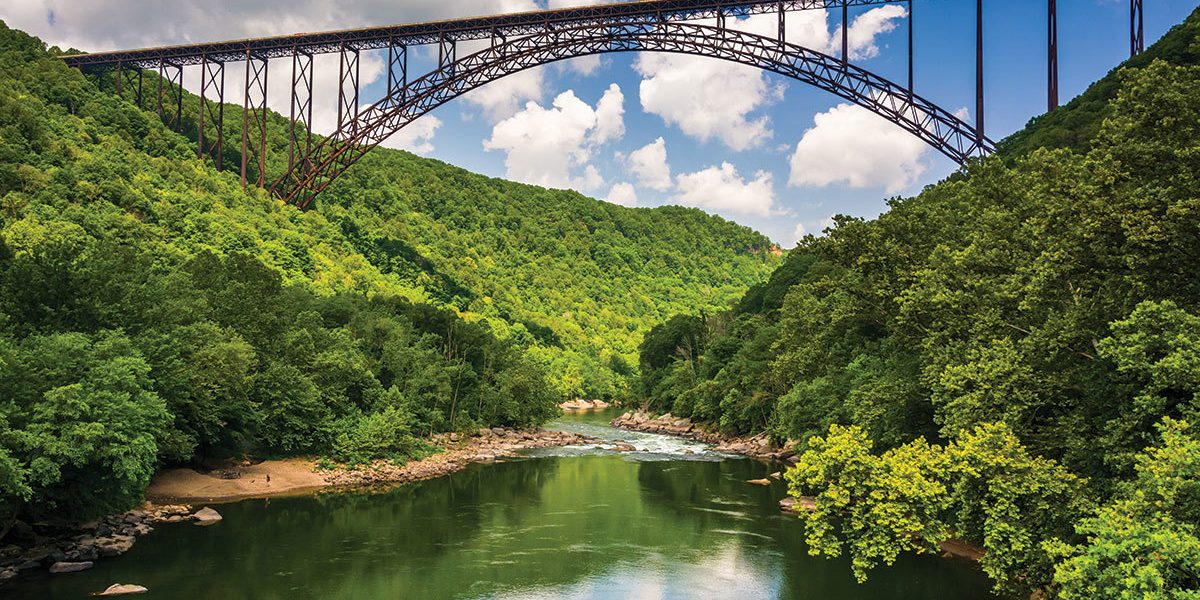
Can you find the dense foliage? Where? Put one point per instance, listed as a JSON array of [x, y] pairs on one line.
[[1035, 317], [151, 311]]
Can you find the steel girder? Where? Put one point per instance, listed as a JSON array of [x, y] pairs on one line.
[[254, 117], [308, 177], [475, 28], [1137, 28], [212, 77], [170, 94]]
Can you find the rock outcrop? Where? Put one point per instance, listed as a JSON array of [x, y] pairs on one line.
[[71, 567], [758, 446], [122, 589], [484, 446], [583, 404], [206, 516]]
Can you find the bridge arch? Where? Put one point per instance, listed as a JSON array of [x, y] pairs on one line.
[[329, 159]]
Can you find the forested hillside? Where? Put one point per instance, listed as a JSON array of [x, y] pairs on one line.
[[152, 312], [584, 279], [1011, 357]]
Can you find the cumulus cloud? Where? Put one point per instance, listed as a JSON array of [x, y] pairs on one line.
[[712, 99], [623, 194], [816, 228], [416, 137], [865, 29], [707, 98], [852, 145], [649, 165], [722, 189], [502, 98], [545, 146]]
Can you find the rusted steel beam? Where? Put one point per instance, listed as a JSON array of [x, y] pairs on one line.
[[397, 72], [979, 129], [348, 72], [254, 118], [212, 78], [170, 94], [1052, 56], [331, 157], [1137, 28], [301, 112], [474, 28]]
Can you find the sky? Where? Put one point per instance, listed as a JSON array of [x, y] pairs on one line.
[[650, 129]]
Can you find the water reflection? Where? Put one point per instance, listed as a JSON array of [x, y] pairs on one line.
[[595, 525]]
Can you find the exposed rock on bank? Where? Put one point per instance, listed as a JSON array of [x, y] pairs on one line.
[[62, 549], [300, 476], [484, 446], [122, 589], [583, 404], [757, 446]]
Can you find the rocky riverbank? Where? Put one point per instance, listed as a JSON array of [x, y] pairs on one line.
[[756, 446], [62, 548], [584, 405], [484, 446]]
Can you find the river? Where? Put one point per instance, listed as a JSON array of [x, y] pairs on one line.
[[672, 521]]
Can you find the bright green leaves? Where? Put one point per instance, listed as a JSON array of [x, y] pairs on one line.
[[83, 423], [1145, 544], [984, 487], [871, 507], [1157, 350]]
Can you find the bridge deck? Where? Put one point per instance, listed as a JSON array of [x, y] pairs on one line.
[[471, 28]]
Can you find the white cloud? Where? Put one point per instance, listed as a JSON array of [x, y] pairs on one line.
[[852, 145], [712, 99], [610, 116], [722, 189], [707, 98], [864, 30], [623, 194], [545, 145], [649, 165], [416, 137], [816, 228]]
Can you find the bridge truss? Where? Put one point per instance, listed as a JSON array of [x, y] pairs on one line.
[[517, 42]]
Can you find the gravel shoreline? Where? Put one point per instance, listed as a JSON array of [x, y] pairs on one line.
[[174, 494]]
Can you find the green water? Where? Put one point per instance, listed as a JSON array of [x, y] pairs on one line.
[[567, 523]]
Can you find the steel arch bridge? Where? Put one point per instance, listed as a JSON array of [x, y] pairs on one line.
[[515, 43]]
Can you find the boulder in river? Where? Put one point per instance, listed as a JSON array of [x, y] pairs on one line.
[[71, 567], [206, 516], [122, 589]]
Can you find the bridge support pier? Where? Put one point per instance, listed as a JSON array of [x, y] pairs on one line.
[[845, 32], [911, 50], [254, 117], [1052, 57], [979, 129], [397, 73], [447, 54], [212, 77], [301, 113], [1137, 28], [170, 85], [348, 71]]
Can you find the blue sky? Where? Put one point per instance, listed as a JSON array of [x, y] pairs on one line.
[[569, 126]]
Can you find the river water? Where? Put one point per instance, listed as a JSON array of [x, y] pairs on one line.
[[671, 521]]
